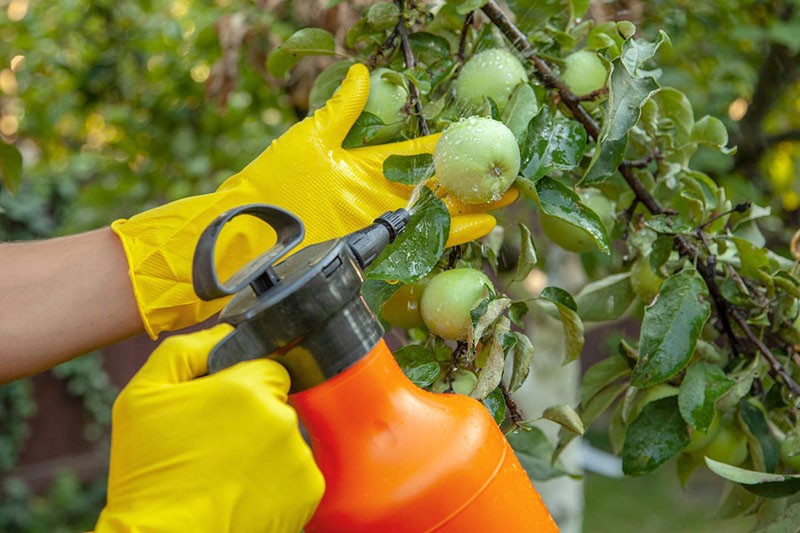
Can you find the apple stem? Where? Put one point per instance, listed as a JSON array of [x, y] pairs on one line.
[[706, 267]]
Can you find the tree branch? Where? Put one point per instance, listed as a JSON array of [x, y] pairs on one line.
[[776, 369], [705, 267], [410, 62]]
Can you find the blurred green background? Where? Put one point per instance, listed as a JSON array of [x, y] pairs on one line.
[[120, 106]]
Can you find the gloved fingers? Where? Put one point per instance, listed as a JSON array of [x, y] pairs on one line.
[[377, 154], [181, 358], [457, 207], [465, 228], [260, 373], [334, 121]]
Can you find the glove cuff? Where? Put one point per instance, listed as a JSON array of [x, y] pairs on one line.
[[159, 245]]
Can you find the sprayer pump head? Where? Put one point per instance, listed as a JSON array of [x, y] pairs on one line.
[[305, 310]]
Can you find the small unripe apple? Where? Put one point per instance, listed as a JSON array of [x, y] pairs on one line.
[[584, 72], [644, 281], [492, 73], [386, 99], [402, 309], [790, 450], [477, 159], [574, 238], [700, 439], [449, 298], [729, 446]]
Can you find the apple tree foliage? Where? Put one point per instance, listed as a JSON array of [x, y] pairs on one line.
[[718, 334], [690, 145]]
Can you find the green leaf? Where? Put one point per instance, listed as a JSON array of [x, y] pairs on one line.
[[758, 433], [496, 404], [762, 484], [376, 292], [10, 166], [305, 42], [637, 52], [484, 316], [535, 454], [553, 142], [660, 251], [626, 96], [492, 370], [523, 352], [566, 417], [326, 84], [657, 435], [670, 328], [560, 201], [517, 313], [573, 327], [366, 128], [408, 169], [676, 107], [521, 108], [429, 48], [383, 15], [703, 385], [527, 254], [467, 6], [578, 8], [605, 299], [711, 131], [418, 364], [415, 251], [601, 374]]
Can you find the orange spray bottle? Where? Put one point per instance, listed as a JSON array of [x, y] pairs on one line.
[[395, 457]]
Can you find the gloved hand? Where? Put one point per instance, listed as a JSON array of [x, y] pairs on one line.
[[216, 453], [332, 189]]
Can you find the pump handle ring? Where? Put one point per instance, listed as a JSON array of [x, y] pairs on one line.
[[206, 282]]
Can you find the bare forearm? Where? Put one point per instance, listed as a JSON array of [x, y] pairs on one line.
[[60, 298]]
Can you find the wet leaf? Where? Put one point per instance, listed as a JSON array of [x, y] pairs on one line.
[[573, 327], [605, 299], [408, 169], [527, 255], [657, 435], [552, 142], [418, 364], [496, 404], [703, 385]]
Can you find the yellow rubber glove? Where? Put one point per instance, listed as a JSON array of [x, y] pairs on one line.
[[216, 453], [333, 190]]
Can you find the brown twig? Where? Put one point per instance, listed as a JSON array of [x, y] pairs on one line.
[[410, 62], [776, 369], [462, 43], [513, 409]]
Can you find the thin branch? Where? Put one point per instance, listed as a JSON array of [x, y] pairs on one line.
[[462, 43], [410, 62], [776, 369], [513, 409]]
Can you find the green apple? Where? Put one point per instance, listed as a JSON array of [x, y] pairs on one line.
[[644, 281], [492, 73], [728, 446], [790, 450], [584, 72], [477, 159], [449, 298], [700, 439], [574, 238], [386, 98], [402, 309]]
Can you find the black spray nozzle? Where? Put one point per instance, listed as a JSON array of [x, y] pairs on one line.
[[367, 243]]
